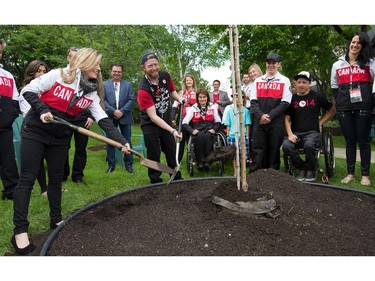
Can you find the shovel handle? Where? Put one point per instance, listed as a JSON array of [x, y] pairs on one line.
[[136, 153], [89, 133]]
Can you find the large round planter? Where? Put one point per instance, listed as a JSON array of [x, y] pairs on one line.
[[181, 220]]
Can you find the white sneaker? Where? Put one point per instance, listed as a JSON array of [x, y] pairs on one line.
[[365, 181], [347, 179]]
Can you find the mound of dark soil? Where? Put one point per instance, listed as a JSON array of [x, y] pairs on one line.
[[181, 220]]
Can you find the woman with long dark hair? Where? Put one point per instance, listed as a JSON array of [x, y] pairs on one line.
[[352, 79], [202, 121]]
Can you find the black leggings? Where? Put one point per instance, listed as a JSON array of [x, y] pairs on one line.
[[32, 152]]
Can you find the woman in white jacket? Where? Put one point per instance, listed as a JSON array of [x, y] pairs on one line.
[[202, 121], [64, 93]]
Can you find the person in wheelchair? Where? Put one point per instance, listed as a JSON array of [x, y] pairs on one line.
[[303, 126], [202, 121]]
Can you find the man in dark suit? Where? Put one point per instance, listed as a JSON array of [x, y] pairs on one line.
[[119, 102]]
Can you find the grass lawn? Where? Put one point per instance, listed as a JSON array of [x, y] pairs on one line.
[[99, 185]]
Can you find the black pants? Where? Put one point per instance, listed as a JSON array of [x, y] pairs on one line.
[[203, 145], [31, 154], [80, 155], [41, 177], [9, 170], [156, 143], [356, 128], [310, 142], [267, 140], [185, 139]]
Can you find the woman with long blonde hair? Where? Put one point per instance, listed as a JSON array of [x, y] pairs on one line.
[[64, 93]]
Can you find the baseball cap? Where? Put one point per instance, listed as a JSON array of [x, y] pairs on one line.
[[148, 56], [303, 74], [3, 42], [273, 56]]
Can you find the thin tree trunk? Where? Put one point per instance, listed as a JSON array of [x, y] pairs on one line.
[[234, 106], [241, 110]]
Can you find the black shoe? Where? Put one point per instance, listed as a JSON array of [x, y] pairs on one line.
[[178, 176], [302, 175], [22, 251], [110, 169], [200, 167], [206, 167], [130, 170], [156, 181], [54, 225], [310, 176], [78, 180], [6, 197]]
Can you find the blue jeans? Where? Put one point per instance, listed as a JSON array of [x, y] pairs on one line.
[[356, 128], [111, 153]]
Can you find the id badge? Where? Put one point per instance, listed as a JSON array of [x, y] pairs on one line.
[[355, 95]]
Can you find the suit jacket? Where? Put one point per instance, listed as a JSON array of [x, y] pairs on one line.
[[126, 100], [224, 99]]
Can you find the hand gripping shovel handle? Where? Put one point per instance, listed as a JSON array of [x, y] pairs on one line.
[[146, 162], [177, 146]]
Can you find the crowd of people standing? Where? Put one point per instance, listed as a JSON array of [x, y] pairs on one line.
[[275, 118]]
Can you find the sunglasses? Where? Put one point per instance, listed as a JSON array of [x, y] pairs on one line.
[[72, 49]]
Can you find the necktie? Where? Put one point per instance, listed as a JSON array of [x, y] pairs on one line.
[[117, 94]]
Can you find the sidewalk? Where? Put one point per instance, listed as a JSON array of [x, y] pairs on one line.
[[340, 153]]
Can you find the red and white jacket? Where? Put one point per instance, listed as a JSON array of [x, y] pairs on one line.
[[270, 96], [52, 91], [55, 96], [190, 97], [8, 100], [344, 76], [195, 119]]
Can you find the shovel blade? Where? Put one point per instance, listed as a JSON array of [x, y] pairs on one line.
[[156, 166]]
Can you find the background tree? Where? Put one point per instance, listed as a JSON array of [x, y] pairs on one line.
[[181, 49]]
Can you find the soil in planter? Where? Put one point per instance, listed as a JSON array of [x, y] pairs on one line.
[[181, 220]]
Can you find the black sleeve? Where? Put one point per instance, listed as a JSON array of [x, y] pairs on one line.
[[16, 104], [188, 128], [279, 110], [35, 102], [255, 109], [107, 125], [324, 102], [334, 93], [217, 127]]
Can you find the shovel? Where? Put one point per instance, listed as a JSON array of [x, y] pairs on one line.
[[177, 146], [145, 162]]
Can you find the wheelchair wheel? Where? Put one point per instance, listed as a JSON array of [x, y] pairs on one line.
[[220, 141], [190, 157], [329, 153]]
